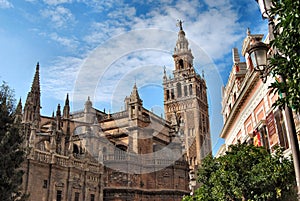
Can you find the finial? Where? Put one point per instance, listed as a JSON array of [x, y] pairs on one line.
[[19, 107], [179, 23], [37, 65], [20, 101], [134, 81], [248, 31], [202, 73], [58, 110], [165, 73], [67, 99]]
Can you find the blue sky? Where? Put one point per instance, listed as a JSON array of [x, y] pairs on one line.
[[100, 48]]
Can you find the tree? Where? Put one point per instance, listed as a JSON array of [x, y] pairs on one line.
[[246, 173], [12, 152], [286, 46]]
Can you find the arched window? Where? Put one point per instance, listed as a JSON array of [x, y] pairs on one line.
[[104, 153], [185, 91], [180, 64], [76, 150], [179, 92], [168, 94], [172, 94], [191, 89], [200, 91]]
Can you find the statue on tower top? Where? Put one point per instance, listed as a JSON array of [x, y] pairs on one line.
[[179, 24]]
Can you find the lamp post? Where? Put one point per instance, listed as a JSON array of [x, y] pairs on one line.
[[258, 53]]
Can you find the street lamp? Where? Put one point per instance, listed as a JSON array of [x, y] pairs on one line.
[[264, 6], [258, 54]]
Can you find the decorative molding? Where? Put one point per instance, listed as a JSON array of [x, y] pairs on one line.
[[249, 108]]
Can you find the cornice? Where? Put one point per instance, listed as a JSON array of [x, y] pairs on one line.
[[249, 83]]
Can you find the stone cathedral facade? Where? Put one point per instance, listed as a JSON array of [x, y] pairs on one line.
[[91, 155]]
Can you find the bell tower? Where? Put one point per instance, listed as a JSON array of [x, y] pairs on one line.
[[185, 103]]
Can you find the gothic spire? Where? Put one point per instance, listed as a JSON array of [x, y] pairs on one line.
[[32, 106], [36, 92], [165, 74], [134, 96], [19, 107], [35, 87], [66, 112], [67, 100], [58, 117], [18, 112], [58, 112], [88, 105]]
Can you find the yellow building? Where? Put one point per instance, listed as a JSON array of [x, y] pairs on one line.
[[247, 106]]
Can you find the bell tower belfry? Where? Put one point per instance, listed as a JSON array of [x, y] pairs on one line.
[[185, 103]]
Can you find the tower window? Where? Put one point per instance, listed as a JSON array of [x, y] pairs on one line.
[[104, 153], [45, 184], [191, 89], [172, 94], [92, 197], [200, 91], [168, 94], [58, 195], [179, 92], [185, 91], [76, 198], [181, 64], [203, 123]]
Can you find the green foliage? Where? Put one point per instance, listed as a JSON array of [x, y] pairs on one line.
[[11, 150], [246, 173], [286, 46]]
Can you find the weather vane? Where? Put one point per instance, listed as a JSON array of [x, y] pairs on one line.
[[179, 23]]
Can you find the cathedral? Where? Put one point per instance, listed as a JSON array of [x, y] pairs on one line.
[[133, 154]]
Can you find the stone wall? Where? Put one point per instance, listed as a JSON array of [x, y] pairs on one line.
[[56, 177]]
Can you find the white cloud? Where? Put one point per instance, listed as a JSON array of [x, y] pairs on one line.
[[70, 43], [217, 3], [125, 13], [5, 4], [145, 67], [211, 34], [59, 16], [56, 2], [108, 73], [214, 29], [100, 6], [101, 31], [60, 76]]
